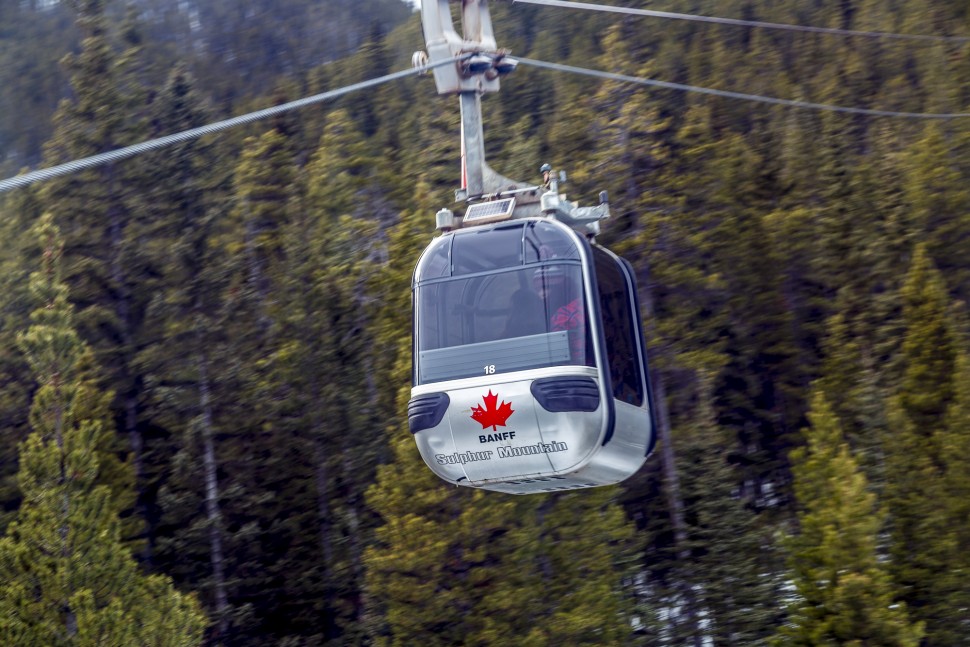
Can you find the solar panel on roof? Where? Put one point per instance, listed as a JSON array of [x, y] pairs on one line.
[[494, 210]]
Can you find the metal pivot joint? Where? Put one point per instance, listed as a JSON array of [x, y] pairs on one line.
[[480, 63]]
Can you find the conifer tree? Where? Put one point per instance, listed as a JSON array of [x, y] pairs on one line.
[[404, 242], [733, 565], [17, 211], [93, 210], [324, 370], [181, 214], [264, 194], [934, 185], [433, 154], [628, 139], [927, 387], [955, 449], [923, 546], [226, 499], [854, 291], [67, 578], [340, 170], [372, 60], [478, 568], [175, 214], [844, 594], [854, 388]]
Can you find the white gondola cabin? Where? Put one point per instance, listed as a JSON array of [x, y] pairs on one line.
[[529, 365]]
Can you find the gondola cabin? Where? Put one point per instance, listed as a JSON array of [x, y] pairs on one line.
[[529, 364]]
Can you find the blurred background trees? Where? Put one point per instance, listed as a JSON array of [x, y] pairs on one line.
[[244, 299]]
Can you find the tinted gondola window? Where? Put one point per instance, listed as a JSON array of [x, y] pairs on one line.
[[545, 241], [436, 260], [500, 321], [619, 329], [486, 250]]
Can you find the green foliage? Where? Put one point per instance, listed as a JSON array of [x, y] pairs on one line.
[[732, 563], [67, 577], [94, 211], [16, 214], [63, 365], [238, 50], [927, 386], [246, 299], [955, 449], [455, 567], [844, 594], [31, 43], [923, 543]]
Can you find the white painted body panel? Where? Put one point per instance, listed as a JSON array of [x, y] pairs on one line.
[[535, 450]]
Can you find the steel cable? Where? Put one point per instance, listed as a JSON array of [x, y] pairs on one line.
[[194, 133], [559, 67], [742, 23]]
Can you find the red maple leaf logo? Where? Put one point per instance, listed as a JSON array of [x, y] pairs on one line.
[[491, 416]]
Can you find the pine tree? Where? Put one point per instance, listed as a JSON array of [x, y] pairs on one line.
[[475, 568], [33, 38], [181, 214], [955, 449], [852, 387], [732, 565], [175, 214], [17, 211], [340, 170], [93, 210], [230, 483], [322, 374], [923, 546], [252, 449], [67, 579], [264, 194], [844, 593], [934, 185]]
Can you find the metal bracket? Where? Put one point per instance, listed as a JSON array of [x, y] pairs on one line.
[[585, 219], [478, 68], [554, 205], [481, 64]]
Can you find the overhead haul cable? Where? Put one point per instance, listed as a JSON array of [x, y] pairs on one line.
[[743, 23], [559, 67], [194, 133]]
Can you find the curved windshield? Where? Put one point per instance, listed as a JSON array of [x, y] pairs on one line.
[[500, 321]]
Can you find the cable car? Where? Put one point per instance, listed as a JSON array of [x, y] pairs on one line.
[[530, 373], [529, 365]]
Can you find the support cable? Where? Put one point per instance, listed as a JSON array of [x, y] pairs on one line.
[[74, 166], [568, 4], [194, 133], [559, 67]]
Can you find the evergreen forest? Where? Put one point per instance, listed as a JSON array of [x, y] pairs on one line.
[[205, 350]]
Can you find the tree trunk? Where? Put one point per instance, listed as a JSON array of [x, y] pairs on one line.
[[323, 505], [213, 512], [668, 467], [257, 271], [122, 305]]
